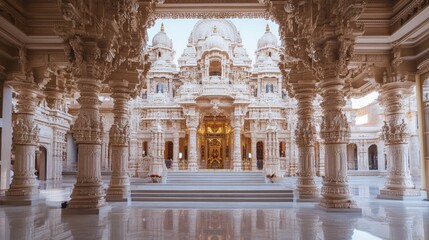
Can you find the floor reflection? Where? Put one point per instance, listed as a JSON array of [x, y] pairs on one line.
[[380, 219]]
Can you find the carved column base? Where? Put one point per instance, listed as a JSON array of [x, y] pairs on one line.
[[119, 183], [88, 192], [24, 187], [156, 167], [133, 168], [119, 189], [236, 166], [306, 184], [399, 185], [336, 198], [254, 165], [307, 190], [175, 165], [399, 194], [192, 166], [87, 195]]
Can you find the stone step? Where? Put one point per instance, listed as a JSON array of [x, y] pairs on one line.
[[206, 191], [212, 186], [211, 199], [215, 177]]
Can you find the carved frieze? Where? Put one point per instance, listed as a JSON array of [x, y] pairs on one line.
[[25, 131], [335, 127], [393, 133]]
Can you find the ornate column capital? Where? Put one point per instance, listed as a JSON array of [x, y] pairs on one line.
[[237, 121], [99, 39], [88, 127], [28, 94], [191, 121], [120, 130]]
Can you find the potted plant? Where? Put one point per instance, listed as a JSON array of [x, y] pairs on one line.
[[156, 178], [271, 177]]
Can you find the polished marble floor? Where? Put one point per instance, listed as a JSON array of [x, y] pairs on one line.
[[380, 219]]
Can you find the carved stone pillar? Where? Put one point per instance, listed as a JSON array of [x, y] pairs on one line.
[[321, 164], [157, 149], [398, 184], [24, 186], [88, 191], [305, 135], [54, 98], [271, 164], [254, 153], [335, 131], [175, 164], [118, 138], [192, 124], [237, 123]]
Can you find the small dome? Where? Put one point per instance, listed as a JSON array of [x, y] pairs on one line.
[[189, 51], [161, 39], [239, 52], [204, 29], [216, 42], [267, 40]]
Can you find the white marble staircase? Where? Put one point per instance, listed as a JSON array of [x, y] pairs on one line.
[[212, 186]]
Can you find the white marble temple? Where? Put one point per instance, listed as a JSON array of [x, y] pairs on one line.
[[380, 219]]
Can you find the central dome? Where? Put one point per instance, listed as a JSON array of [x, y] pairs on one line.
[[204, 29]]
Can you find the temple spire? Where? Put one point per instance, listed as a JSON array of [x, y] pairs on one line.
[[214, 29], [162, 27], [267, 28]]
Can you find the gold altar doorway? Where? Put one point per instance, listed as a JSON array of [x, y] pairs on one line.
[[215, 135]]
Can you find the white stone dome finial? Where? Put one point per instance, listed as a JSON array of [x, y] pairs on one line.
[[268, 39], [161, 39], [215, 41]]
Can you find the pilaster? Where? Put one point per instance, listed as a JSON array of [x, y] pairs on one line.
[[157, 148], [237, 123], [175, 163], [253, 143], [192, 124]]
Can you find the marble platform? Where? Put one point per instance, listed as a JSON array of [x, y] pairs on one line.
[[380, 219]]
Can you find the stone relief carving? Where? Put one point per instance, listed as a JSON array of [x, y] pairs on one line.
[[25, 132]]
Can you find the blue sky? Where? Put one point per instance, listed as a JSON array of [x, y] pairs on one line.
[[180, 29]]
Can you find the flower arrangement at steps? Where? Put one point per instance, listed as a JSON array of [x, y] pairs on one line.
[[272, 177], [156, 178]]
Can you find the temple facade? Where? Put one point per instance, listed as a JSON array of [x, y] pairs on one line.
[[85, 91], [219, 109]]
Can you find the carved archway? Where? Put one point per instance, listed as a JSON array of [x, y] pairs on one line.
[[41, 163], [352, 157], [373, 157]]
